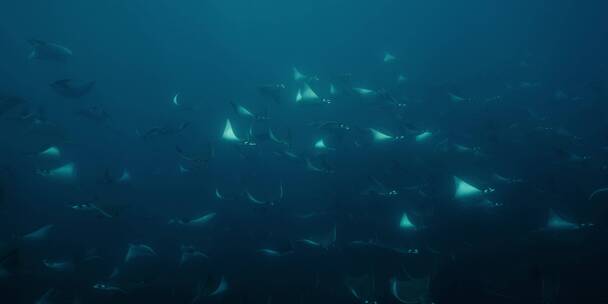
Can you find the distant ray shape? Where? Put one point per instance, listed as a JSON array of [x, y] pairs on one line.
[[115, 273], [47, 297], [465, 191], [556, 222], [412, 291], [281, 192], [175, 100], [364, 92], [324, 242], [560, 95], [332, 238], [456, 98], [380, 137], [197, 222], [211, 287], [269, 252], [291, 154], [406, 223], [59, 266], [597, 193], [229, 134], [124, 178], [89, 207], [182, 169], [275, 139], [401, 79], [242, 111], [313, 167], [388, 57], [320, 145], [190, 255], [39, 234], [137, 251], [50, 152], [307, 95], [202, 220], [463, 149], [108, 288], [424, 136], [332, 90], [309, 242], [253, 199], [362, 288], [297, 76], [49, 51], [257, 201], [221, 287], [66, 172], [219, 195]]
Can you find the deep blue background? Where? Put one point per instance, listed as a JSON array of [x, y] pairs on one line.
[[140, 53]]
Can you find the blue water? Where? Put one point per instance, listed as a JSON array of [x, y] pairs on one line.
[[512, 94]]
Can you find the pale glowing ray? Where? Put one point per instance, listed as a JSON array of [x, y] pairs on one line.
[[125, 177], [222, 287], [242, 111], [219, 195], [597, 192], [456, 98], [307, 94], [137, 251], [51, 152], [379, 136], [406, 223], [388, 57], [320, 144], [465, 191], [364, 91], [200, 221], [556, 222], [182, 169], [39, 234], [297, 76], [229, 134], [424, 136], [332, 89], [67, 171], [253, 199]]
